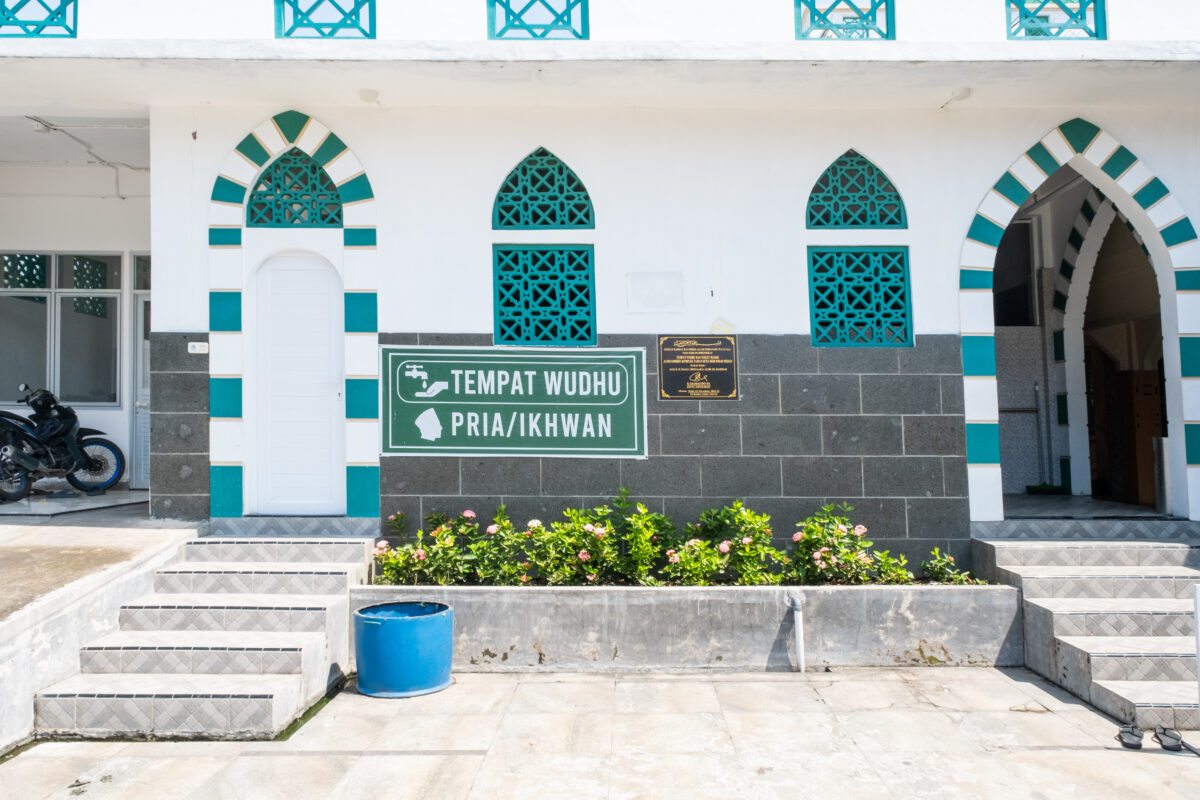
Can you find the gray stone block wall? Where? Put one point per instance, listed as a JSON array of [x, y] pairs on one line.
[[178, 427], [880, 429]]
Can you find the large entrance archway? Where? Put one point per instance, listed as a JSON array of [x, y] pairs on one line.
[[1117, 180]]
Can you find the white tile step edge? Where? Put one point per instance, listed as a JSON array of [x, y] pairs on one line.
[[1172, 704], [1115, 605], [204, 652], [205, 706], [261, 577], [1166, 646], [1167, 571], [291, 549]]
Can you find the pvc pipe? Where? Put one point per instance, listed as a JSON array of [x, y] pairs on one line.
[[797, 602]]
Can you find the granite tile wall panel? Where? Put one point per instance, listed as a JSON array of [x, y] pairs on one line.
[[179, 427]]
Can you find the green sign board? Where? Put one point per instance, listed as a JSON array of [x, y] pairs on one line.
[[499, 401]]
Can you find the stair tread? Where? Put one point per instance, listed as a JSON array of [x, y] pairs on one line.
[[175, 684], [1114, 544], [179, 640], [305, 567], [1134, 645], [1172, 693], [1102, 572], [235, 600], [1114, 605]]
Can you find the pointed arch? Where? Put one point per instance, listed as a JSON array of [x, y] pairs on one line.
[[294, 191], [1173, 246], [854, 193], [542, 193]]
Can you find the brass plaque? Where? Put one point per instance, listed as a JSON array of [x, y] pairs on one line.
[[697, 368]]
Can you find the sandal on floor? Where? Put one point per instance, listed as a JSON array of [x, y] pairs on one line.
[[1169, 738], [1130, 736]]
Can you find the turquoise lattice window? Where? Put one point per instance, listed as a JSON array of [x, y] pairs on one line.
[[25, 271], [542, 192], [537, 19], [38, 18], [859, 296], [854, 193], [294, 192], [845, 19], [324, 19], [89, 274], [1056, 19], [544, 294]]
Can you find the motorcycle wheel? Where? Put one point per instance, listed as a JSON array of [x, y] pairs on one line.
[[110, 466], [14, 483]]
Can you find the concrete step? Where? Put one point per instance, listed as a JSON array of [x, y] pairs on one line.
[[1127, 529], [235, 612], [262, 577], [1094, 553], [1130, 582], [209, 706], [274, 550], [1172, 704], [1117, 616], [1127, 658], [204, 653]]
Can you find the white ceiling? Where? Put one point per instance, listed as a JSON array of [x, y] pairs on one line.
[[75, 140]]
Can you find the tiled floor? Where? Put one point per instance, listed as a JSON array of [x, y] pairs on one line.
[[868, 733], [1060, 506], [54, 497]]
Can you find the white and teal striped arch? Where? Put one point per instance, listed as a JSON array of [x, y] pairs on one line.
[[230, 267], [1172, 245]]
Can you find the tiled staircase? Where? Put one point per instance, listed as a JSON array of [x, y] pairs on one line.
[[237, 640], [1110, 621]]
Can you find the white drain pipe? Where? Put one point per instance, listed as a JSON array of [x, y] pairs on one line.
[[1196, 605], [797, 603]]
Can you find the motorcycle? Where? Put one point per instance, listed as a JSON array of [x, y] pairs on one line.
[[50, 444]]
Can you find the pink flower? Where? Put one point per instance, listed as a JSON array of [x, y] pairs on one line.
[[534, 523], [391, 517], [723, 546], [670, 552], [768, 531], [468, 514], [833, 560], [420, 555], [693, 542], [817, 557], [746, 540], [590, 528], [654, 538], [673, 560], [841, 528], [859, 530], [524, 579], [493, 529], [600, 533], [797, 536], [584, 555], [592, 577]]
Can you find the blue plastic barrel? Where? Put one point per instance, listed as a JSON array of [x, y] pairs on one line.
[[403, 649]]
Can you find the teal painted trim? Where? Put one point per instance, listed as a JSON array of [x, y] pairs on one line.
[[225, 491], [1179, 232], [1187, 280], [543, 19], [983, 443], [1191, 436], [226, 191], [1151, 193], [1118, 163], [1060, 402], [224, 237], [291, 124], [1060, 347], [1064, 472], [225, 311], [252, 149], [1060, 301], [1039, 155], [362, 492], [542, 193], [362, 312], [1189, 353], [359, 237], [330, 149], [362, 398], [1067, 270], [315, 19], [356, 189], [1079, 133], [1075, 239], [868, 19], [44, 19], [974, 279], [1088, 212], [225, 398], [979, 356], [985, 231], [543, 295], [1012, 189]]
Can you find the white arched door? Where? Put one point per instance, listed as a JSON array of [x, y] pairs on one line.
[[299, 400]]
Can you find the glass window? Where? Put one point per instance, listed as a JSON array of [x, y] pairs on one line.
[[324, 19], [1056, 19], [88, 338], [537, 19], [859, 296], [24, 329], [845, 19], [38, 18], [89, 272], [142, 277], [26, 271]]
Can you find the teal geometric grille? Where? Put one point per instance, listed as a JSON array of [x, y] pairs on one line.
[[23, 271], [845, 19], [859, 296], [542, 192], [543, 295], [537, 19], [295, 192], [37, 18], [89, 274], [854, 193], [324, 19], [1056, 19]]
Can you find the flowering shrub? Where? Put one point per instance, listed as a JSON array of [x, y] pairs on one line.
[[940, 568], [744, 541], [828, 549]]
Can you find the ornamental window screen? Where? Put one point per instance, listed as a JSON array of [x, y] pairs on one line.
[[25, 271], [1056, 19], [845, 19], [854, 193], [859, 296], [544, 295], [324, 19], [90, 273], [542, 192], [44, 18], [537, 19], [294, 192]]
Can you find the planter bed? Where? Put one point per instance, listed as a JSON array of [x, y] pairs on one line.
[[674, 629]]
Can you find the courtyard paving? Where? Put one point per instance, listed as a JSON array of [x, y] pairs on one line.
[[861, 733]]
